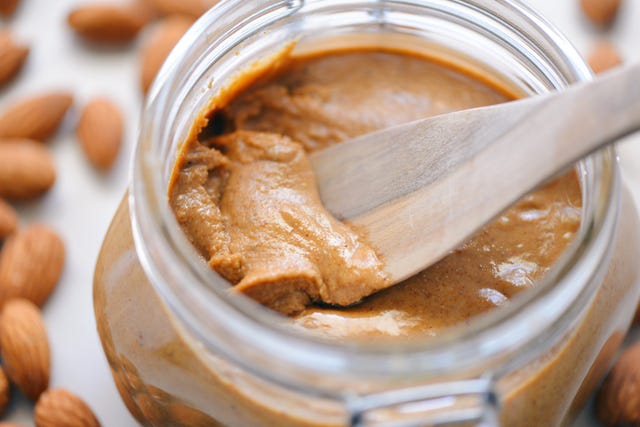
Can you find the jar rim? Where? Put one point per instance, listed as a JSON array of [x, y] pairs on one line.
[[153, 225]]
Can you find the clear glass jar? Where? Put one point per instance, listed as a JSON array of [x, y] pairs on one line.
[[185, 353]]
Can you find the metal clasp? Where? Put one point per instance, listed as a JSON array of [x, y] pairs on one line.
[[451, 403]]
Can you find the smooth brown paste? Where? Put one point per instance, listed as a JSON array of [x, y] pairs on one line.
[[244, 193]]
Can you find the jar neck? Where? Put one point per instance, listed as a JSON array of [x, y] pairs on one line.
[[503, 37]]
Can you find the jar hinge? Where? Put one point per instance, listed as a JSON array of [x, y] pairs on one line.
[[451, 403]]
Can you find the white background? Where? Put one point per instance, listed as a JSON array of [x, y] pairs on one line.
[[83, 201]]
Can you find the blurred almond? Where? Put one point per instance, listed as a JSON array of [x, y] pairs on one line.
[[192, 8], [36, 117], [106, 23], [61, 408], [600, 12], [5, 391], [31, 263], [26, 169], [157, 47], [100, 132], [24, 347], [8, 7], [603, 56], [8, 219], [12, 57]]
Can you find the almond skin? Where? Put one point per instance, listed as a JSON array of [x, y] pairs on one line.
[[61, 408], [157, 47], [4, 392], [104, 23], [26, 169], [12, 57], [600, 12], [8, 219], [31, 263], [8, 7], [603, 56], [100, 132], [24, 347], [618, 400], [192, 8], [36, 117]]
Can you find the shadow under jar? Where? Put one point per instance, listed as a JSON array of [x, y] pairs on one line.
[[186, 352]]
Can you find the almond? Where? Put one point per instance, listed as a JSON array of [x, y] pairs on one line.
[[603, 56], [105, 23], [24, 347], [9, 425], [100, 132], [4, 392], [7, 7], [192, 8], [26, 169], [158, 46], [618, 400], [600, 12], [30, 264], [61, 408], [8, 219], [12, 57], [36, 117]]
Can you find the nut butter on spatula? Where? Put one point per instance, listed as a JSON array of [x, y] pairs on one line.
[[418, 190]]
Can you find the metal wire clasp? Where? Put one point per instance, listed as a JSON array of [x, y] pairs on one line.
[[451, 403]]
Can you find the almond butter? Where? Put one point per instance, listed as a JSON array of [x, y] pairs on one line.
[[8, 219], [4, 392], [158, 46], [8, 7], [26, 169], [31, 262], [100, 132], [618, 399], [192, 8], [24, 347], [61, 408], [105, 23], [600, 12], [603, 56], [12, 57], [35, 117]]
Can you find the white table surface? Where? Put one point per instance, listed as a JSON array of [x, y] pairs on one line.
[[83, 201]]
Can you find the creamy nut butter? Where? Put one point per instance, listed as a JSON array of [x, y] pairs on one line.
[[243, 192]]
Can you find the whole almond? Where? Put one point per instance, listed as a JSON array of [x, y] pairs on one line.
[[100, 132], [7, 7], [24, 347], [107, 23], [35, 117], [600, 12], [61, 408], [5, 391], [12, 57], [31, 262], [158, 46], [8, 219], [617, 402], [26, 169], [192, 8]]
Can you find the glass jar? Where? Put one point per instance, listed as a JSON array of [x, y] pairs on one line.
[[183, 352]]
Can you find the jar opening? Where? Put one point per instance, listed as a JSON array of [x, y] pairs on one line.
[[503, 37]]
